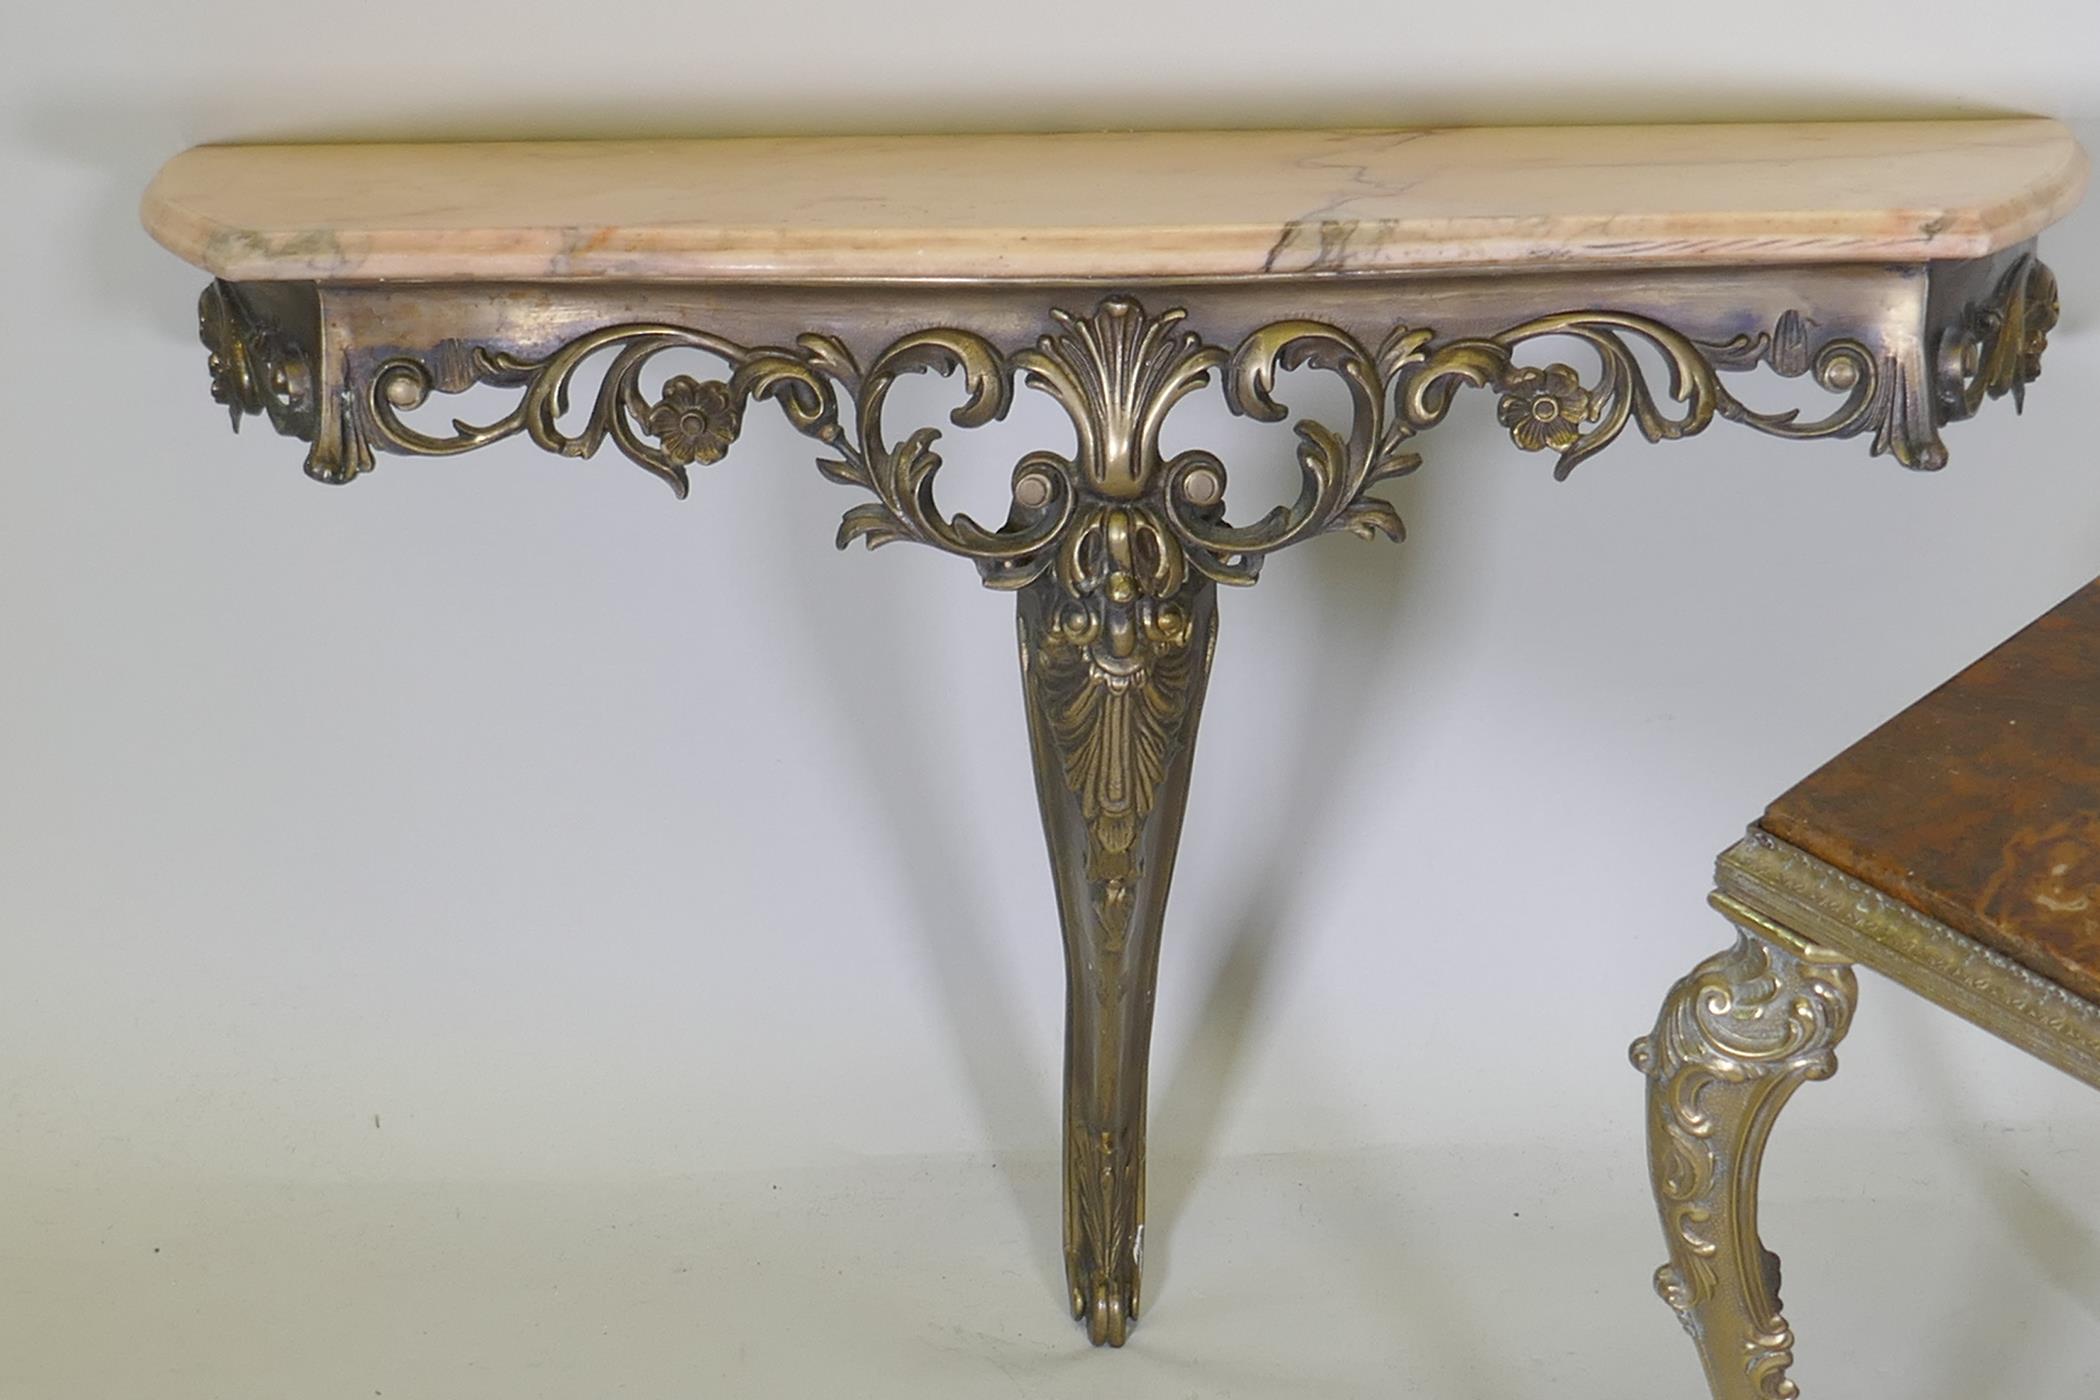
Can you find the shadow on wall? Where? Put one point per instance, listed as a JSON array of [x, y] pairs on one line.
[[1342, 654], [1348, 648], [1329, 673]]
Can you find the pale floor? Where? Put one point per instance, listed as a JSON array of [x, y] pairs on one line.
[[1937, 1265]]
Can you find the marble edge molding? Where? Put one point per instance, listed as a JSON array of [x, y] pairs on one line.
[[1836, 913], [1220, 251]]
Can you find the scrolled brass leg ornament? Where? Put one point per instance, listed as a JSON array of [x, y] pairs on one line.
[[1113, 695], [1734, 1040], [1118, 618]]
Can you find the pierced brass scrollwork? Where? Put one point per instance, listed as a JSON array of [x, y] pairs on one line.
[[256, 366], [1125, 533], [1405, 386], [692, 422], [1996, 349], [1115, 553], [1551, 408], [1882, 395], [1117, 373]]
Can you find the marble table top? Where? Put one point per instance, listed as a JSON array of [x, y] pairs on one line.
[[1117, 205]]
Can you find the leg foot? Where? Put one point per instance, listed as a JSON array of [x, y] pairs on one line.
[[1114, 682], [1734, 1041]]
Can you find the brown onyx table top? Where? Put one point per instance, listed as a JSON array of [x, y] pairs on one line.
[[1980, 804]]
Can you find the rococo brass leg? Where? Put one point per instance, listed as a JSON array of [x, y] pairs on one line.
[[1114, 681], [1734, 1040]]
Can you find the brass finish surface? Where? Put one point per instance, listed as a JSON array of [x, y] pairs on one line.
[[1996, 347], [1754, 1023], [1115, 551], [1734, 1040], [373, 354], [1950, 969]]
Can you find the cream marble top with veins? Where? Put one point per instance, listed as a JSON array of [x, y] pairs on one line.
[[1117, 205]]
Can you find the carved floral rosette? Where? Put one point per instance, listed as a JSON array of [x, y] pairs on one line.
[[1406, 384], [1122, 532]]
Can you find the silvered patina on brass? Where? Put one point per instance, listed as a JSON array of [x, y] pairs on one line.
[[1115, 552]]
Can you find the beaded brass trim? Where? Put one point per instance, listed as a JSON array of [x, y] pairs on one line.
[[1826, 906]]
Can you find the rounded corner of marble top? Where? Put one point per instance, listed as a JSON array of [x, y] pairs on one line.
[[170, 220]]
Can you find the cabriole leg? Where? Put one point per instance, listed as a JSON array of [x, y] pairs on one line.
[[1734, 1041], [1114, 683]]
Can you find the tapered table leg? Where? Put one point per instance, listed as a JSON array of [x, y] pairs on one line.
[[1113, 686]]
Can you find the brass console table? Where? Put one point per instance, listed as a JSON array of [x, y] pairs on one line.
[[1888, 264]]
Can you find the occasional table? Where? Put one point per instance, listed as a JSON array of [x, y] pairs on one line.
[[1956, 850], [1889, 265]]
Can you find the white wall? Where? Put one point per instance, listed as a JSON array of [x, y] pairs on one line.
[[504, 818]]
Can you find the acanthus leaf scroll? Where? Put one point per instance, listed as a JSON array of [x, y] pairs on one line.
[[1407, 385], [256, 366], [1996, 347], [261, 366], [1121, 531]]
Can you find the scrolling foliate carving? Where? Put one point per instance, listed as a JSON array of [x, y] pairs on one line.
[[691, 421], [1551, 408], [256, 366], [1117, 373], [1108, 663], [1996, 348], [1733, 1042], [1121, 530], [1108, 667], [1409, 384], [1883, 394], [1115, 552], [259, 366]]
